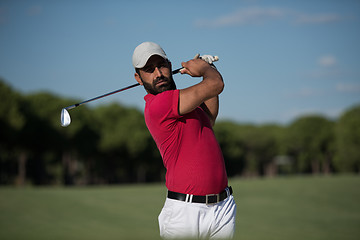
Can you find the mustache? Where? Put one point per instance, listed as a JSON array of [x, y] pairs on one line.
[[161, 78]]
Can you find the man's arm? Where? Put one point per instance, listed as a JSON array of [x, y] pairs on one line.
[[205, 93]]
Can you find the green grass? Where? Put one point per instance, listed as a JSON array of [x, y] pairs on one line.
[[299, 208], [281, 208]]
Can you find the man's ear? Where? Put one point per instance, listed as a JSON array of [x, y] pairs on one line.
[[138, 78]]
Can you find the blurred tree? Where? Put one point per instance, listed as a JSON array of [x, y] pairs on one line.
[[261, 147], [10, 107], [232, 145], [310, 141], [252, 139], [12, 120], [270, 147], [248, 149], [111, 144], [126, 142], [59, 155], [80, 147], [348, 141], [42, 137]]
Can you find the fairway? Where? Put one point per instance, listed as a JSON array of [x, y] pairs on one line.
[[280, 208]]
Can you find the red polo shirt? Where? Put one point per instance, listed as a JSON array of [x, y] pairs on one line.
[[187, 144]]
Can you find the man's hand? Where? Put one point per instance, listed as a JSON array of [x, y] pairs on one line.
[[195, 67], [208, 58], [205, 93]]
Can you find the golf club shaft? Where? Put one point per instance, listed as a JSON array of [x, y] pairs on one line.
[[215, 58], [111, 93], [104, 95]]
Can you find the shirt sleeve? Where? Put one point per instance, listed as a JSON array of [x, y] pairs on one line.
[[163, 109]]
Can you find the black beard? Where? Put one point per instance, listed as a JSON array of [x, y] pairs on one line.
[[153, 89]]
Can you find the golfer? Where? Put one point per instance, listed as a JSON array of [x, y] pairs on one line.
[[199, 203]]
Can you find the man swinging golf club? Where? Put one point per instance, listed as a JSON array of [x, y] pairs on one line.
[[199, 203]]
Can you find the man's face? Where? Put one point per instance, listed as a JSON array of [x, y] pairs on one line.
[[156, 75]]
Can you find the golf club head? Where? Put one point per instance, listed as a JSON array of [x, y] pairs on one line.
[[65, 118]]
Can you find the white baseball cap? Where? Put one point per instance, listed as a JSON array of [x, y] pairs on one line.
[[144, 51]]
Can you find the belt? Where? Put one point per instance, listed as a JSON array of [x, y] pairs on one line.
[[208, 199]]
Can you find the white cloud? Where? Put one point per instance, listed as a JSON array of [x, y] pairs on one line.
[[325, 73], [243, 16], [327, 68], [317, 18], [307, 92], [348, 87], [327, 61], [255, 15], [304, 92]]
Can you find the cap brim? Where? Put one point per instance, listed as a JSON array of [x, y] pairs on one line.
[[143, 60]]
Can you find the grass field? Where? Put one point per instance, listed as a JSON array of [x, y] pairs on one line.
[[281, 208]]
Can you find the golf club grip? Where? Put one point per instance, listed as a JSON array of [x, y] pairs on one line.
[[176, 71], [216, 58]]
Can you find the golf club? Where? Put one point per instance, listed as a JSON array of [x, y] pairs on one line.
[[65, 116]]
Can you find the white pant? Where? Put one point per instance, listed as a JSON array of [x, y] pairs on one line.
[[180, 219]]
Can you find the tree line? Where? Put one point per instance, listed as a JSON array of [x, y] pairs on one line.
[[110, 144]]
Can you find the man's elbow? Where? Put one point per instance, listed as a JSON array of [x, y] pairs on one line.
[[220, 86]]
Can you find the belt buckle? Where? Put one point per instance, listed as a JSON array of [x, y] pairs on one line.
[[212, 195]]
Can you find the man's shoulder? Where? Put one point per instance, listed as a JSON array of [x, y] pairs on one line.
[[162, 104], [161, 96]]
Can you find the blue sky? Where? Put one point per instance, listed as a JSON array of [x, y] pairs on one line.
[[279, 59]]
